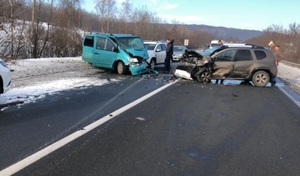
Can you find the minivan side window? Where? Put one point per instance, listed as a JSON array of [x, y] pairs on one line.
[[260, 54], [243, 55], [225, 56], [100, 43], [89, 41], [109, 45]]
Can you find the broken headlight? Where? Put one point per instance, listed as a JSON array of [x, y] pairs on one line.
[[135, 60]]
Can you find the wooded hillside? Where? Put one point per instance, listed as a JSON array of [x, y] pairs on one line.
[[52, 28]]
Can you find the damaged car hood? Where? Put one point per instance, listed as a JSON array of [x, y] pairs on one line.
[[137, 53]]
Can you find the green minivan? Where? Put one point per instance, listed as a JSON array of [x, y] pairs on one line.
[[118, 52]]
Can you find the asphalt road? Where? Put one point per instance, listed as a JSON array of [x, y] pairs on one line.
[[186, 129]]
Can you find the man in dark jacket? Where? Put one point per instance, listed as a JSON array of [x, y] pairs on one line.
[[169, 53]]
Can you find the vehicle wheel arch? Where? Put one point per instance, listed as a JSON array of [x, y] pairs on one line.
[[115, 66], [1, 85], [153, 59]]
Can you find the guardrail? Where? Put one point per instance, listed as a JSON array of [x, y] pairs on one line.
[[290, 63]]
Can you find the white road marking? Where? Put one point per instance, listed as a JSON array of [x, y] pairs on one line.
[[62, 142], [282, 87], [290, 96]]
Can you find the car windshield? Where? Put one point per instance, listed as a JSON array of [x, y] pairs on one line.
[[178, 48], [208, 51], [130, 42], [214, 45], [149, 46]]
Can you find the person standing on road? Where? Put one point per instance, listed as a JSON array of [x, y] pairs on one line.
[[278, 55], [169, 53]]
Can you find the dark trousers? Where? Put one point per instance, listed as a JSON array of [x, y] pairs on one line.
[[168, 62]]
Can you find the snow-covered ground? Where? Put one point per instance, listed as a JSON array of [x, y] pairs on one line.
[[290, 76], [32, 79]]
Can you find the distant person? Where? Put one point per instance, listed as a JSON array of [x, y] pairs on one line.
[[278, 55], [169, 53], [220, 43]]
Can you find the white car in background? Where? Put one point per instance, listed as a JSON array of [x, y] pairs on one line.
[[156, 52], [5, 77], [178, 50]]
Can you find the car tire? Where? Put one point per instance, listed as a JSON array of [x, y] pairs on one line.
[[152, 63], [121, 68], [204, 76], [260, 78]]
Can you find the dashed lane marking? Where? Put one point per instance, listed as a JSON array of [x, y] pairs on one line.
[[62, 142]]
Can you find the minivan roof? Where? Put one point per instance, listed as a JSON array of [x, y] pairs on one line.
[[154, 42], [112, 35]]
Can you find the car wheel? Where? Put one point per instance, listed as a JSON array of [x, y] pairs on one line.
[[121, 69], [260, 78], [152, 63], [204, 76]]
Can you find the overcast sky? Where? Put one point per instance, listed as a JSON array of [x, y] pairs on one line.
[[242, 14]]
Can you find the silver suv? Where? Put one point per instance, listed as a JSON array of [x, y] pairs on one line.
[[156, 52], [243, 62]]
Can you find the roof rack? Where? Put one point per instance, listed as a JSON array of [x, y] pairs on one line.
[[243, 45], [255, 46]]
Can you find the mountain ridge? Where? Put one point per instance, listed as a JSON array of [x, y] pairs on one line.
[[225, 32]]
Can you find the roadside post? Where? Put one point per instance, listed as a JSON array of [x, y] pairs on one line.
[[186, 42], [271, 44]]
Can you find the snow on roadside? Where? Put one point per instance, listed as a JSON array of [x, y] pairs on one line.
[[33, 79], [44, 66], [289, 74], [32, 93]]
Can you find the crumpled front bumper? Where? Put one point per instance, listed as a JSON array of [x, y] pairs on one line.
[[184, 70], [140, 69]]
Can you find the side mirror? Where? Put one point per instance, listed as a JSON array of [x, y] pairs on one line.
[[114, 49], [158, 50]]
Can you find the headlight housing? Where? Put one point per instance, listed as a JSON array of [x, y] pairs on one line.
[[3, 63], [133, 60]]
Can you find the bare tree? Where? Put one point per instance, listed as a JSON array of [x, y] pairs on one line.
[[199, 39], [12, 26], [106, 9], [287, 39], [125, 13]]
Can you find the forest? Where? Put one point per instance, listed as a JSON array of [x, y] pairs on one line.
[[55, 28]]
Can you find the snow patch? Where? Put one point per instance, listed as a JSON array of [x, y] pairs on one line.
[[33, 79]]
